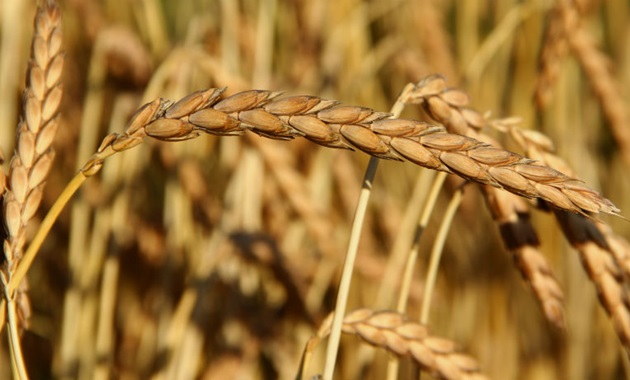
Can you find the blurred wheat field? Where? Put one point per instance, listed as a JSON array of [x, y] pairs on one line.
[[219, 257]]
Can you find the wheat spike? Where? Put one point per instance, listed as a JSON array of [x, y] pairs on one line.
[[600, 263], [36, 130], [328, 123], [450, 107], [605, 255], [392, 331]]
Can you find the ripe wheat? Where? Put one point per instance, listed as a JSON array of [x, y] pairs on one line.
[[604, 255], [36, 130], [327, 123], [450, 107], [392, 331]]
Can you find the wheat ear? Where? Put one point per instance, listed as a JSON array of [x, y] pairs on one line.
[[450, 107], [337, 126], [393, 332], [36, 130], [604, 255]]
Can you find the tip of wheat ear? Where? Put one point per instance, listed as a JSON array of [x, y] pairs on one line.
[[334, 125]]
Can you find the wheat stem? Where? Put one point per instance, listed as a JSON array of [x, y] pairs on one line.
[[344, 284], [412, 256], [17, 358], [353, 245], [436, 254]]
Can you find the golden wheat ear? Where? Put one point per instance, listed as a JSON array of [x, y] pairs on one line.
[[35, 133], [393, 332], [450, 107], [333, 125]]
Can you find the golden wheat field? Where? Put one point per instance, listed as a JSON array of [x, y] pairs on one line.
[[315, 189]]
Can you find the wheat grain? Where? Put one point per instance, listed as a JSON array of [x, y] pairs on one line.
[[36, 130], [338, 126], [392, 331]]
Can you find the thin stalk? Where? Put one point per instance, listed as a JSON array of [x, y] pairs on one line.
[[436, 254], [348, 266], [17, 358], [429, 205], [355, 236]]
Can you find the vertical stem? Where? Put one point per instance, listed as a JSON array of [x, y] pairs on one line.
[[355, 235], [17, 359], [348, 266], [436, 254]]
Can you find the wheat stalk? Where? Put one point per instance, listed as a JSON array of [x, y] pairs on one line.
[[450, 107], [392, 331]]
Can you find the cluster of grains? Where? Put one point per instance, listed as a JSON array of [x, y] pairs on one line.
[[36, 130], [604, 254], [327, 123], [393, 332], [449, 107]]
